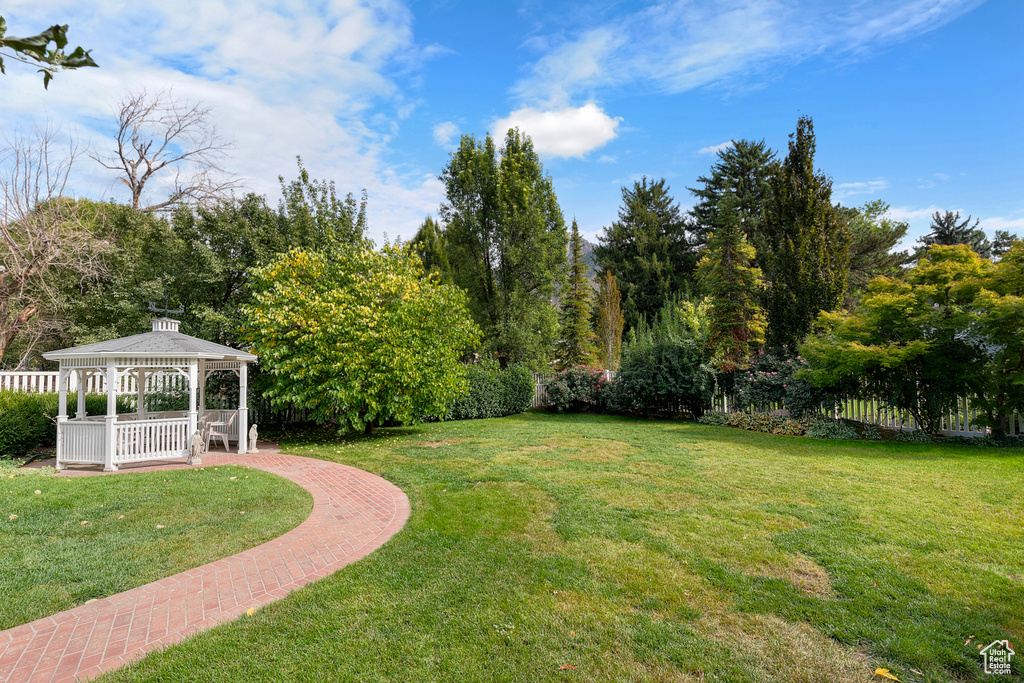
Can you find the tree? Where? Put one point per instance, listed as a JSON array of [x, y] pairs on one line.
[[733, 285], [157, 132], [359, 336], [42, 237], [429, 245], [1002, 243], [314, 214], [909, 342], [647, 249], [609, 322], [947, 229], [873, 235], [804, 250], [577, 347], [744, 171], [506, 242], [36, 51]]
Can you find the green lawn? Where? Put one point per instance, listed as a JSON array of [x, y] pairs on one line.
[[635, 550], [50, 561]]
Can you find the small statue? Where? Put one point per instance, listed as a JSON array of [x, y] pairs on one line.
[[252, 440], [196, 448]]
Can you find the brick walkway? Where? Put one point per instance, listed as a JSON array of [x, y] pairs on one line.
[[354, 513]]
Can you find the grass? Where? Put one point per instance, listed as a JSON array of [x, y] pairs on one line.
[[66, 540], [586, 548]]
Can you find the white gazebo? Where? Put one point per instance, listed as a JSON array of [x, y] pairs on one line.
[[113, 439]]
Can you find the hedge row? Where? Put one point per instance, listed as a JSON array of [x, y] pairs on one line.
[[494, 392], [29, 421]]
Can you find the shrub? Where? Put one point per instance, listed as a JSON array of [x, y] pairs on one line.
[[493, 392], [832, 429], [916, 436], [664, 377], [759, 422], [714, 418], [29, 421], [770, 382], [576, 390]]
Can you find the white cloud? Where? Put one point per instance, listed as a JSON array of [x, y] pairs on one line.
[[1011, 223], [715, 149], [562, 133], [844, 190], [679, 45], [445, 133], [283, 78]]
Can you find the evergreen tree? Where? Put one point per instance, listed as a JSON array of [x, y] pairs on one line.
[[1002, 243], [577, 346], [609, 322], [506, 242], [429, 245], [947, 229], [805, 248], [733, 285], [872, 238], [647, 249], [742, 170]]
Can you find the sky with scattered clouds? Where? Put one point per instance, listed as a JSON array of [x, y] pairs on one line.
[[915, 102]]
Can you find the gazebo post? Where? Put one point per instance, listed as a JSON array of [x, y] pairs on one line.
[[62, 411], [243, 407], [111, 445], [140, 391], [193, 415], [203, 376], [80, 389]]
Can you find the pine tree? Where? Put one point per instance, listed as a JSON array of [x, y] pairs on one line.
[[647, 249], [804, 250], [609, 323], [744, 171], [734, 286], [577, 346], [947, 229]]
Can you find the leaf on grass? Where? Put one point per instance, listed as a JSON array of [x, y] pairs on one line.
[[884, 673], [251, 611], [566, 666]]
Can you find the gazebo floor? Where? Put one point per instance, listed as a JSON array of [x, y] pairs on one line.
[[354, 513]]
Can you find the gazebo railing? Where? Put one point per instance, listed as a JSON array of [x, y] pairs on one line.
[[150, 439], [83, 441]]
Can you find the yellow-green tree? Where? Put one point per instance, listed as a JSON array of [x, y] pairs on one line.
[[359, 336], [609, 322]]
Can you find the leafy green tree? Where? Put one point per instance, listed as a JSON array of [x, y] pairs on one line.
[[873, 236], [733, 285], [429, 245], [1002, 242], [316, 216], [36, 51], [742, 170], [908, 343], [609, 322], [647, 249], [506, 243], [805, 248], [359, 336], [947, 229], [577, 346]]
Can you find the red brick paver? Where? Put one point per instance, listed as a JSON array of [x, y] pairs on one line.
[[354, 513]]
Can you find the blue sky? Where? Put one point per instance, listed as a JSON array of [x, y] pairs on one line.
[[916, 102]]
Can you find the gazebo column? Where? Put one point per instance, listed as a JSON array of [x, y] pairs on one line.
[[111, 434], [140, 392], [243, 407], [203, 376], [80, 390], [193, 414], [62, 412]]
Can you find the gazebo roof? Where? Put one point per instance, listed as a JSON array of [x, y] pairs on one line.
[[163, 342]]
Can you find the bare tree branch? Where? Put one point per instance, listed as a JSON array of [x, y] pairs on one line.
[[158, 131], [42, 234]]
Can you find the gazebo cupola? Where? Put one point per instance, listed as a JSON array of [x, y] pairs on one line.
[[114, 439]]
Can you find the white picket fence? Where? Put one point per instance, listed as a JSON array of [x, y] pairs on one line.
[[44, 382]]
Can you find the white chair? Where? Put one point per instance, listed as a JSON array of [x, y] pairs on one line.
[[214, 429]]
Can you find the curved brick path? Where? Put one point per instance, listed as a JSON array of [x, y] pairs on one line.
[[354, 513]]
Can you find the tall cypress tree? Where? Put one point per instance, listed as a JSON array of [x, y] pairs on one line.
[[609, 322], [733, 284], [577, 347], [647, 249], [804, 250]]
